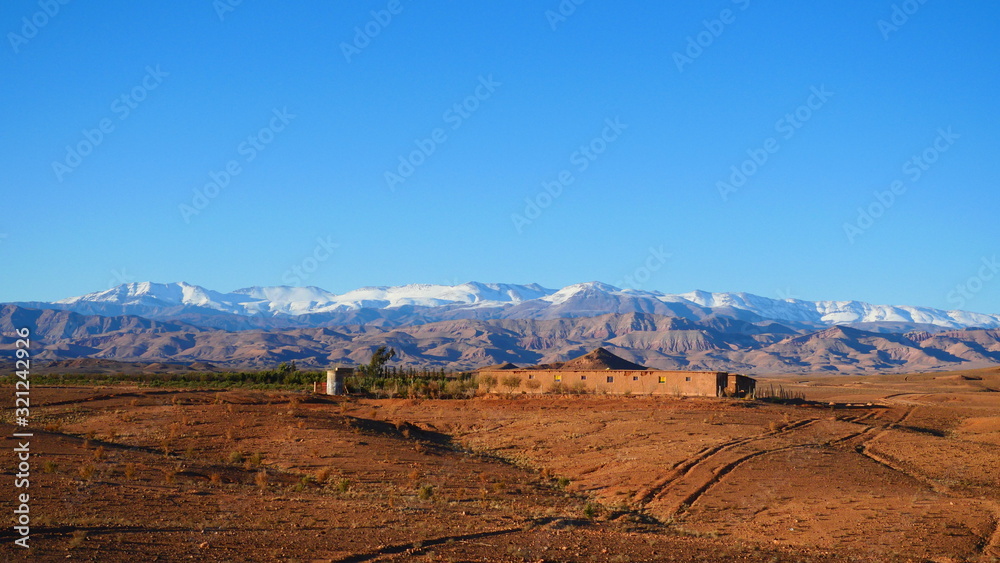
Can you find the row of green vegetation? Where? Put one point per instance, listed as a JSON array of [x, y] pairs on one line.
[[428, 383], [374, 379]]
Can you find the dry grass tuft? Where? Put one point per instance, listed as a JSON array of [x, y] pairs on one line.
[[426, 492], [79, 536], [261, 479], [86, 471]]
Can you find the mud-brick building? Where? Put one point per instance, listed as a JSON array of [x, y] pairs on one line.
[[596, 373]]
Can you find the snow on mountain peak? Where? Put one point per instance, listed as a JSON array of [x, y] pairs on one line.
[[569, 291], [141, 297]]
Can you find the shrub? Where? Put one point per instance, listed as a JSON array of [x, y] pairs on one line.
[[79, 536], [235, 456], [487, 382], [511, 382], [558, 388], [261, 479], [426, 492], [86, 471]]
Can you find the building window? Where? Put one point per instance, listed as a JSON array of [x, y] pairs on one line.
[[583, 378], [662, 379], [635, 378], [687, 379], [611, 379]]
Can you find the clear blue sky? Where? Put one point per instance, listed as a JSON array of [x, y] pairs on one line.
[[115, 214]]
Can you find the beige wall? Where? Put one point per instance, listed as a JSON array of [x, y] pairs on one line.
[[689, 383]]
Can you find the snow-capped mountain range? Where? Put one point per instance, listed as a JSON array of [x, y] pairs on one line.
[[419, 303]]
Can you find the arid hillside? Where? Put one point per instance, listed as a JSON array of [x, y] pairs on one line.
[[655, 341]]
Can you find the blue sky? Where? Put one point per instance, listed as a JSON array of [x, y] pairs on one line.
[[505, 97]]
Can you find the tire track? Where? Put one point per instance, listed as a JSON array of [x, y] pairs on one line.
[[992, 547], [402, 549], [685, 467], [881, 428], [909, 412], [897, 468], [864, 448], [727, 469]]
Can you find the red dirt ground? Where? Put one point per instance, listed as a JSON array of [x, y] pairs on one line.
[[888, 468]]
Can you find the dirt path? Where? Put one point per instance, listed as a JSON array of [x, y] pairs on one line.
[[691, 477]]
